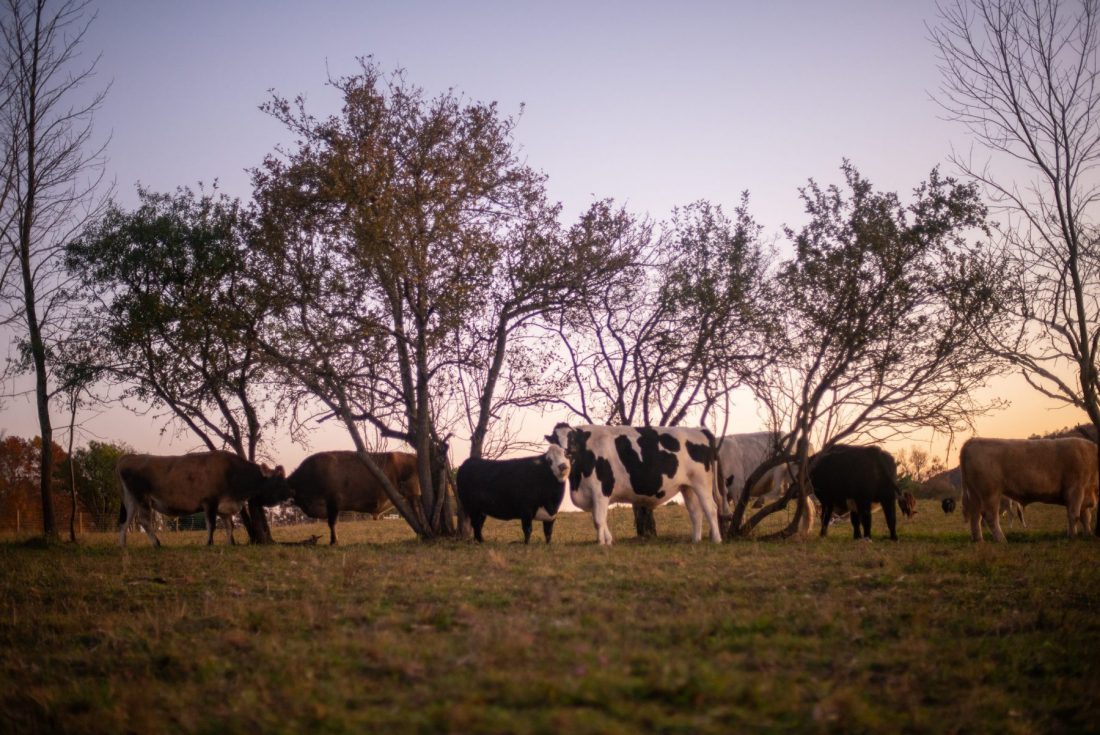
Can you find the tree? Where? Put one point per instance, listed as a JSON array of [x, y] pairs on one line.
[[540, 273], [97, 482], [1022, 78], [51, 173], [20, 461], [383, 227], [674, 335], [879, 308], [171, 313]]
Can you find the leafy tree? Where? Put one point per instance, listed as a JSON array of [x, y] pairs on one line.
[[383, 230], [879, 309], [171, 314], [1024, 79], [50, 171], [97, 482], [20, 463]]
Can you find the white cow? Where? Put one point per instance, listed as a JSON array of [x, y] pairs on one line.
[[643, 465], [740, 455]]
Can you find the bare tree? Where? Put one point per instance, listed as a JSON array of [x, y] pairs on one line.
[[1022, 77], [880, 308], [51, 174], [539, 274], [672, 337]]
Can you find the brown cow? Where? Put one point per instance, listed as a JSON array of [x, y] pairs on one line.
[[1056, 471], [329, 482], [216, 483]]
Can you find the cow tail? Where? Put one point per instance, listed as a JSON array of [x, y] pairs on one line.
[[717, 477]]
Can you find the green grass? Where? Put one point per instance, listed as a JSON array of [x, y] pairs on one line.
[[385, 634]]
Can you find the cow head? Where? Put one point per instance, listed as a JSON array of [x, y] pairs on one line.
[[908, 504], [561, 436], [274, 488], [559, 462]]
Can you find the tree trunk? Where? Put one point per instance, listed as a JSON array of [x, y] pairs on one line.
[[645, 524], [72, 472], [255, 522]]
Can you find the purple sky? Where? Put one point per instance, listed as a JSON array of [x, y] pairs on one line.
[[653, 103]]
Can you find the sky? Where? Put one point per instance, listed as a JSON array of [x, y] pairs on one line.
[[655, 104]]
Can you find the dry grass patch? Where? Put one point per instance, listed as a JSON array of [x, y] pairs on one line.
[[383, 633]]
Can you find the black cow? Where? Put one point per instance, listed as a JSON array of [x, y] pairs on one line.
[[843, 475], [948, 505], [529, 488]]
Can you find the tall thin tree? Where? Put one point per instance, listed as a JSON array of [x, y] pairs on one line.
[[52, 171], [1024, 79]]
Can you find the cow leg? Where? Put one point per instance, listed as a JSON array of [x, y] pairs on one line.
[[890, 510], [547, 530], [694, 513], [807, 521], [1085, 519], [526, 522], [853, 516], [993, 520], [1073, 513], [708, 509], [146, 518], [975, 524], [826, 516], [477, 520], [125, 514], [211, 523], [599, 519], [865, 518], [332, 511], [228, 520]]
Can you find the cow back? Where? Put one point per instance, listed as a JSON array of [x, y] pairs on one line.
[[646, 465], [1028, 470], [341, 480], [178, 485]]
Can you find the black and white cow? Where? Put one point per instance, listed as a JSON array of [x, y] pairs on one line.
[[528, 489], [643, 465]]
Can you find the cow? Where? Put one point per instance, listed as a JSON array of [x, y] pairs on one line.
[[528, 489], [643, 465], [741, 455], [326, 483], [859, 476], [948, 505], [1057, 471], [217, 483]]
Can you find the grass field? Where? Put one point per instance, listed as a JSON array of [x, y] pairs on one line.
[[385, 634]]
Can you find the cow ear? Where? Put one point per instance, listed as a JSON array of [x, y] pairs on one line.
[[552, 438]]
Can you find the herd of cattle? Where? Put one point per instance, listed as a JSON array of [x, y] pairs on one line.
[[601, 465]]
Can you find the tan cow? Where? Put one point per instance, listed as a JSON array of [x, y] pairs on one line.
[[216, 483], [1056, 471], [329, 482]]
